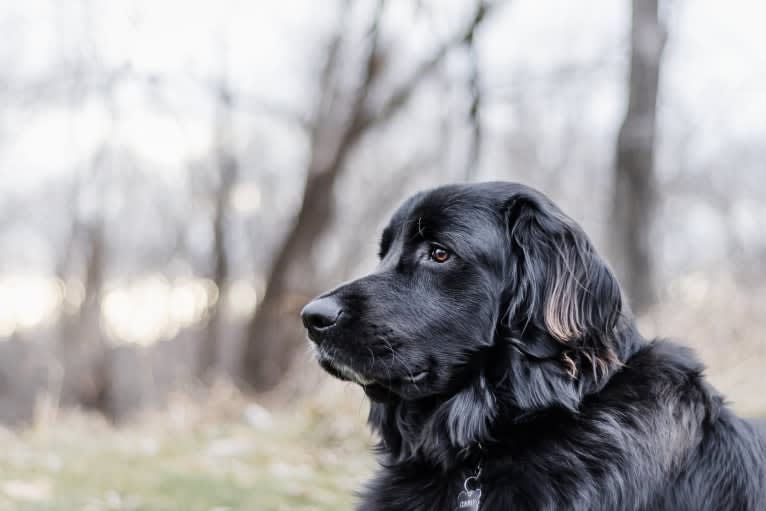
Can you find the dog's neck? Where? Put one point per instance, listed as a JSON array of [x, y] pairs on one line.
[[418, 432]]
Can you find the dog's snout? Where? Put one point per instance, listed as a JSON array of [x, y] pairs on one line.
[[321, 314]]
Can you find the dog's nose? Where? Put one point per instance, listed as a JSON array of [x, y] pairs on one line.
[[321, 314]]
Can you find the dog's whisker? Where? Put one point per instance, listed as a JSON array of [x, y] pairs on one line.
[[396, 357], [371, 363]]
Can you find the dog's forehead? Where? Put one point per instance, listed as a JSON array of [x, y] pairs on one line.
[[459, 216], [448, 208]]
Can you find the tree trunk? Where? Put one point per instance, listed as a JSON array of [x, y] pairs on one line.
[[275, 331], [87, 376], [228, 174], [210, 341], [634, 197]]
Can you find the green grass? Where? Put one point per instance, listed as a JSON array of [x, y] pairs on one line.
[[309, 459]]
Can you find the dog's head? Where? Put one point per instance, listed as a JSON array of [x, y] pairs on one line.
[[481, 289]]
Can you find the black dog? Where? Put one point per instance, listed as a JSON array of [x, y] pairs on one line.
[[506, 372]]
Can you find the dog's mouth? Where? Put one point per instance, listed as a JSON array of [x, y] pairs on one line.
[[344, 372], [390, 389], [374, 385]]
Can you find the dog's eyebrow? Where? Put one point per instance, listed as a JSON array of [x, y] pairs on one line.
[[417, 227], [420, 231], [423, 228]]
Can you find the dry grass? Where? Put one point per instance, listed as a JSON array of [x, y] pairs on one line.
[[228, 454]]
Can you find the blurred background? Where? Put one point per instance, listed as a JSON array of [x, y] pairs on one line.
[[179, 178]]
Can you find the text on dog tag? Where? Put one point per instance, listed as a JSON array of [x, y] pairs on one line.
[[468, 500]]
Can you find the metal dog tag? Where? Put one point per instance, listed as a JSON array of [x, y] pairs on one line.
[[468, 500]]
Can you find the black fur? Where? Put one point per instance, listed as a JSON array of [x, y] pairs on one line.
[[518, 353]]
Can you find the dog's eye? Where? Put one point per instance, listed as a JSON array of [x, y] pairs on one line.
[[438, 254]]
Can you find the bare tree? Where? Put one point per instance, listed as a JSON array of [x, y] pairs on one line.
[[273, 333], [634, 197], [227, 174]]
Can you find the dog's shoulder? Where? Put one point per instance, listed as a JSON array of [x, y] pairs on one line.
[[666, 371], [667, 358]]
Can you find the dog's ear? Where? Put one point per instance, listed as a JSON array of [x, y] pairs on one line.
[[562, 301]]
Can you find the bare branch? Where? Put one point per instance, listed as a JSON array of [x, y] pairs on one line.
[[404, 92], [371, 69], [357, 123], [327, 81], [474, 89]]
